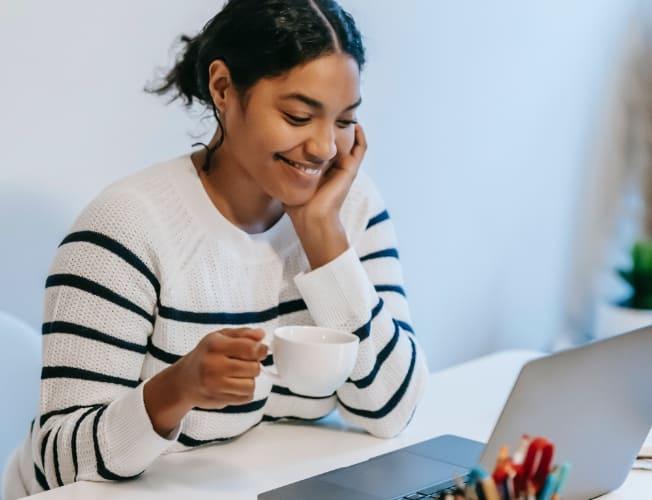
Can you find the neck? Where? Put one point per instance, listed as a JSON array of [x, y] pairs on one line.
[[234, 192]]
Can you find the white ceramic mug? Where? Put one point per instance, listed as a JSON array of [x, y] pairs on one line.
[[312, 360]]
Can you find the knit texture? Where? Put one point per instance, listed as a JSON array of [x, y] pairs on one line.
[[149, 268]]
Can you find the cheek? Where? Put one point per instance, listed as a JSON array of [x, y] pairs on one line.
[[344, 141], [262, 136], [283, 138]]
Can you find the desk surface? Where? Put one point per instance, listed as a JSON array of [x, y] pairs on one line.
[[274, 454]]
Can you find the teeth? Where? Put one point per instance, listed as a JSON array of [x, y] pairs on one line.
[[309, 171]]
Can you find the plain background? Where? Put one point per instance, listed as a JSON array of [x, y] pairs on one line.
[[486, 123]]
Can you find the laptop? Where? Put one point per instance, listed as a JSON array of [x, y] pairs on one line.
[[594, 402]]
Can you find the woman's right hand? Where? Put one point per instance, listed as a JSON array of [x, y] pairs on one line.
[[218, 372], [221, 369]]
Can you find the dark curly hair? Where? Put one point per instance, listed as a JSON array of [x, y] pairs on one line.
[[258, 39]]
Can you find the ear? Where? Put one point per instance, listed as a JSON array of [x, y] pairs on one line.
[[219, 84]]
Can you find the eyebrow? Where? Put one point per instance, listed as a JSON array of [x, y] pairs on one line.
[[314, 103]]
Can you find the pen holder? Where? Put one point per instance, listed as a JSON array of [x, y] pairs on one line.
[[527, 475]]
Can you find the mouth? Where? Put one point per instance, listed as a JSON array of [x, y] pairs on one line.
[[298, 166]]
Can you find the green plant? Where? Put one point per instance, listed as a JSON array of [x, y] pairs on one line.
[[639, 276]]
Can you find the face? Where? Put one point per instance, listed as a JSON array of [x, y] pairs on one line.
[[304, 118]]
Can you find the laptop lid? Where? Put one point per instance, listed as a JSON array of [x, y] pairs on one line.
[[594, 402]]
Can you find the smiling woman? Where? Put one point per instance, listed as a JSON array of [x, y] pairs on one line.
[[283, 87], [159, 299]]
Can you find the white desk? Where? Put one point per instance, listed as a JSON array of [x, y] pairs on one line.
[[274, 454]]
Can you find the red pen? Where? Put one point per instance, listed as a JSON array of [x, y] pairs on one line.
[[536, 466]]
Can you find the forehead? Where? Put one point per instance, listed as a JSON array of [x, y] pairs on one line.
[[333, 80]]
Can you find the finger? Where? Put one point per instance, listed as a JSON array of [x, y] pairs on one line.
[[360, 145], [227, 400], [242, 369], [222, 341], [239, 386], [245, 349], [235, 400], [256, 334]]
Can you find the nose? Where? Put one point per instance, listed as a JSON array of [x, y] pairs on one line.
[[321, 147]]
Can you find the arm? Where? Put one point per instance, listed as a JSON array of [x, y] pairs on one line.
[[100, 301], [359, 288]]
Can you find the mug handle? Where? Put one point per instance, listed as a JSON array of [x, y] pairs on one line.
[[272, 375]]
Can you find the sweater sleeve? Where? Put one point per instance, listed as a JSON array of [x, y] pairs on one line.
[[101, 296], [362, 291]]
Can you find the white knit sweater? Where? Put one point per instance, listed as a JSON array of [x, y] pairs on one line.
[[149, 268]]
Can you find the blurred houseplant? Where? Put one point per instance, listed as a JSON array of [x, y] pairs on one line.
[[635, 310], [639, 277]]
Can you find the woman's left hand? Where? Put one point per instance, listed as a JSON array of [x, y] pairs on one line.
[[333, 187], [317, 222]]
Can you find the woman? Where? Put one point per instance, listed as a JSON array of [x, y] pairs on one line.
[[159, 298]]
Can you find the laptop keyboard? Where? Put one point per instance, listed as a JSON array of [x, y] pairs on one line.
[[437, 491]]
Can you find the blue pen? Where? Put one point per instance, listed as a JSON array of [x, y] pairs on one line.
[[475, 474], [549, 486], [561, 481]]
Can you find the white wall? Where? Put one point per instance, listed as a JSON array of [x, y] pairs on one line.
[[480, 115]]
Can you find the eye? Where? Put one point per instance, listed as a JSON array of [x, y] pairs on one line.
[[346, 123], [296, 120]]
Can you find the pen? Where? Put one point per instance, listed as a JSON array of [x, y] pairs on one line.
[[531, 490], [488, 486], [470, 490], [502, 465], [549, 485], [509, 484], [519, 455], [561, 481], [504, 493], [470, 493]]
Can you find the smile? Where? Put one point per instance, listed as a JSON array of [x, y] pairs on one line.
[[298, 166]]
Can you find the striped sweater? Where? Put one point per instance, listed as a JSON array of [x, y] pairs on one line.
[[149, 268]]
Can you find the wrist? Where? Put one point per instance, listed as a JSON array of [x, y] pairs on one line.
[[166, 401], [323, 240]]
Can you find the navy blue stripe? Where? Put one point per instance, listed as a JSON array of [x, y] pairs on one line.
[[365, 330], [390, 288], [101, 467], [380, 359], [44, 444], [186, 440], [79, 373], [284, 391], [40, 478], [226, 318], [291, 306], [387, 252], [382, 216], [394, 400], [160, 354], [73, 440], [405, 326], [101, 291], [55, 453], [63, 411], [269, 418], [268, 361], [90, 333], [116, 248], [245, 408]]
